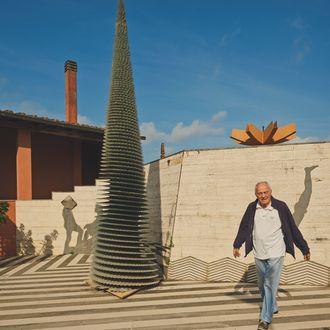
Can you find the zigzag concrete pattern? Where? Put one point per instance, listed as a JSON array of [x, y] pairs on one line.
[[231, 270], [39, 293]]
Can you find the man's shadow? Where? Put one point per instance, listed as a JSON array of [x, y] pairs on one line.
[[89, 234], [246, 290], [300, 208]]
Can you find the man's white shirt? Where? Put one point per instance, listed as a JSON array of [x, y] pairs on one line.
[[268, 239]]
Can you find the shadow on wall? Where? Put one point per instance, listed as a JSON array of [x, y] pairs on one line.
[[155, 214], [24, 241], [25, 244], [85, 236], [300, 208]]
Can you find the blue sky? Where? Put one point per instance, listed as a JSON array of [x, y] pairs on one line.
[[201, 67]]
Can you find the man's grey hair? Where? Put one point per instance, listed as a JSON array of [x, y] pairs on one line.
[[262, 182]]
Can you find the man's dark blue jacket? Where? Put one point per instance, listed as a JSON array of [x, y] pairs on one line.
[[290, 230]]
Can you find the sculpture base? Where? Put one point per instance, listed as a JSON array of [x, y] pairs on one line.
[[122, 294], [119, 293]]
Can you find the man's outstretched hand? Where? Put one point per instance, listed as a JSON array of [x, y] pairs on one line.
[[307, 257], [236, 253]]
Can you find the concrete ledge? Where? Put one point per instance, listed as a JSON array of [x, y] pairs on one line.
[[231, 270]]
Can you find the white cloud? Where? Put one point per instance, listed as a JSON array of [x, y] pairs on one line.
[[301, 45], [229, 36], [299, 139], [34, 108], [197, 128], [84, 120], [297, 23], [219, 116], [150, 131], [302, 49], [31, 108]]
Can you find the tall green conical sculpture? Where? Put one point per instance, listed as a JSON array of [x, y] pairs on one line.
[[124, 258]]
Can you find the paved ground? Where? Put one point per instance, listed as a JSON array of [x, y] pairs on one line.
[[51, 294]]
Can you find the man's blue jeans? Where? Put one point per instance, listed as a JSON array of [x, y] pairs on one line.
[[269, 274]]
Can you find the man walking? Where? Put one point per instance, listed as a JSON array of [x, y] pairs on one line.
[[268, 228]]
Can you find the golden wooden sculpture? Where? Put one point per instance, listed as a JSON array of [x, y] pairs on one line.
[[271, 135]]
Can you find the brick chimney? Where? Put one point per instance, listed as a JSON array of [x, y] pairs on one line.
[[70, 69], [162, 151]]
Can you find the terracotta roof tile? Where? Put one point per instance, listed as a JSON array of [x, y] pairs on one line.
[[47, 121]]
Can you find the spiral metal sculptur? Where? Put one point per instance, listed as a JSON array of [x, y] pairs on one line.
[[124, 258]]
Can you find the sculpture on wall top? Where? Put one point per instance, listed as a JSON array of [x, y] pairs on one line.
[[271, 135], [124, 254]]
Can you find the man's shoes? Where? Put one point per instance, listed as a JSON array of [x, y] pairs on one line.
[[263, 325]]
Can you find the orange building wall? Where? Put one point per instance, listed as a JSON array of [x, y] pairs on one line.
[[23, 164], [56, 162], [52, 164], [8, 143]]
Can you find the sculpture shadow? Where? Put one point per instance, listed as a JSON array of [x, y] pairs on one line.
[[70, 224], [86, 245], [85, 238]]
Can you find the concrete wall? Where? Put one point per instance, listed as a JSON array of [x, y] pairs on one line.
[[42, 217], [217, 185], [163, 185], [197, 198]]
